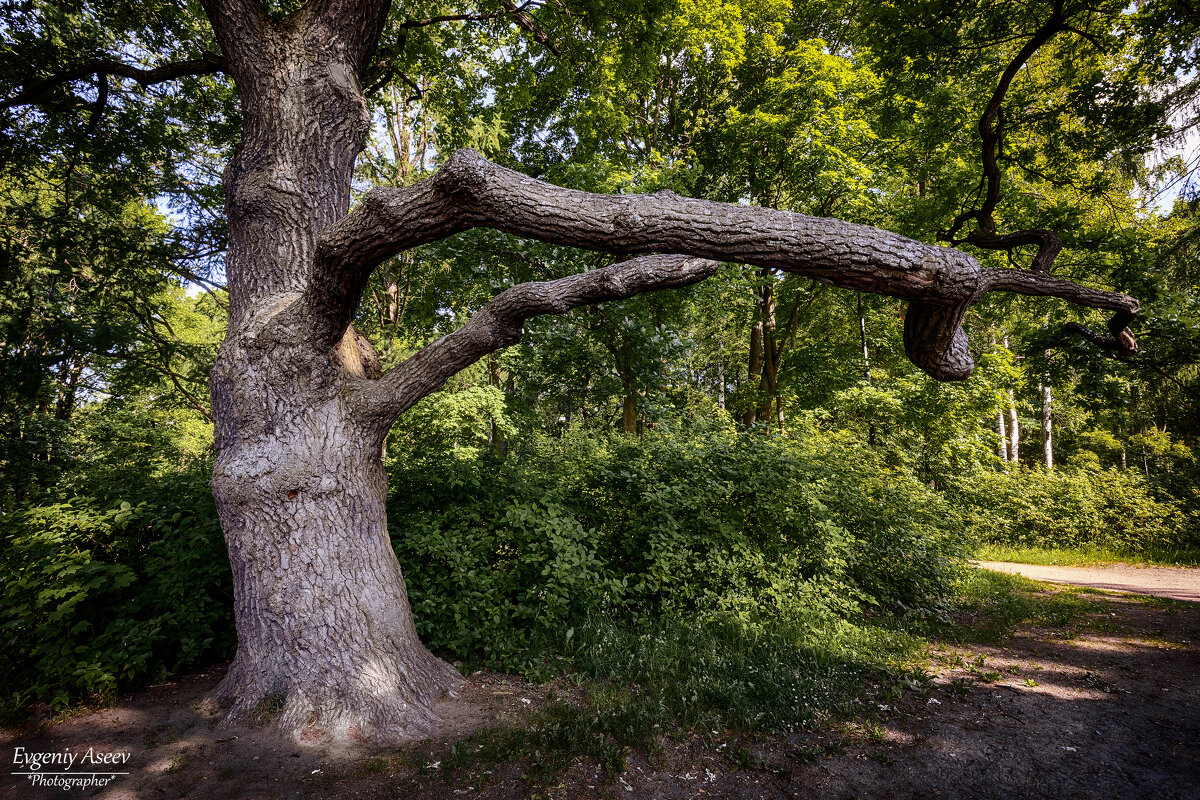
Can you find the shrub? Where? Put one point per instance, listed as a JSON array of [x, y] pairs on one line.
[[504, 556], [1071, 507], [100, 596]]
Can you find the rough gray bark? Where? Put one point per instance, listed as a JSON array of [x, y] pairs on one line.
[[300, 405], [322, 614], [469, 191]]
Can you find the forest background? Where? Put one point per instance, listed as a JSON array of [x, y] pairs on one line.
[[753, 448]]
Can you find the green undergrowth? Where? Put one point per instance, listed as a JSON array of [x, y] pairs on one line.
[[698, 562], [716, 673], [1089, 555], [102, 594], [729, 675], [989, 606], [713, 526], [1078, 514]]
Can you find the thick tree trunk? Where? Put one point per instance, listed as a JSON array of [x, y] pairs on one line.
[[322, 613], [629, 414], [321, 609], [71, 370]]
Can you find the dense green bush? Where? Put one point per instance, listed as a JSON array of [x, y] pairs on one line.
[[100, 595], [1071, 507], [505, 557]]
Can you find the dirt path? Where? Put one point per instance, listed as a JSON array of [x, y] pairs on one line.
[[1175, 583], [1101, 705]]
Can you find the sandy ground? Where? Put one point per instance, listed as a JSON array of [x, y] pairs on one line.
[[1176, 583], [1105, 707]]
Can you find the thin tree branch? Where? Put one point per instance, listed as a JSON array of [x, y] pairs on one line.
[[1112, 346], [499, 324], [191, 400], [1091, 38], [207, 64], [148, 322], [386, 72], [384, 68], [426, 22], [1121, 339], [991, 134], [526, 21], [1106, 343]]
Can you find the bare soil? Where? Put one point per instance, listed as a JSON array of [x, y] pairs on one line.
[[1105, 707], [1175, 583]]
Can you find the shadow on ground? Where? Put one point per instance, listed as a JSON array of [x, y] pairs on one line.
[[1107, 707]]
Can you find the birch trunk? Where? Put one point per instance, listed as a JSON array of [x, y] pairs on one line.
[[1047, 395], [1002, 442], [1014, 431]]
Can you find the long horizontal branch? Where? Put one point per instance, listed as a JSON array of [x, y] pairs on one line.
[[499, 324], [470, 192], [205, 65], [428, 21], [1037, 284]]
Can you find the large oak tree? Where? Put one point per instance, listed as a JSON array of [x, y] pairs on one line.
[[300, 403]]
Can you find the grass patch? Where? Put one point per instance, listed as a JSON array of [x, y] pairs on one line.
[[731, 674], [1089, 555], [725, 676], [723, 673], [992, 604], [772, 674]]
